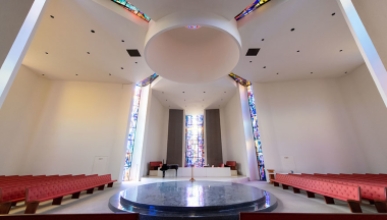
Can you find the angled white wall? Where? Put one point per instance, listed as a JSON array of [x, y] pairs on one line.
[[233, 136], [305, 127], [155, 142], [80, 121], [368, 115], [19, 117]]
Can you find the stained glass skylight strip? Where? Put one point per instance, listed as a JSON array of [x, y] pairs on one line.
[[148, 80], [256, 4], [132, 9], [240, 80]]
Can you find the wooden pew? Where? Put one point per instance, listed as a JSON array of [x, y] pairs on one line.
[[308, 216], [15, 191], [330, 190], [97, 216], [56, 192], [373, 191]]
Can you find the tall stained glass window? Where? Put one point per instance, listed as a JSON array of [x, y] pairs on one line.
[[194, 140], [256, 135], [254, 123], [132, 132], [133, 124]]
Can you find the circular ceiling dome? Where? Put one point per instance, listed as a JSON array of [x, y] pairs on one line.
[[192, 55]]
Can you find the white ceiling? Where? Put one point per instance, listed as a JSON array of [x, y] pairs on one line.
[[67, 38], [194, 97]]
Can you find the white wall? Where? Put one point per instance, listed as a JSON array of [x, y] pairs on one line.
[[233, 137], [369, 116], [18, 118], [80, 121], [305, 127], [155, 146]]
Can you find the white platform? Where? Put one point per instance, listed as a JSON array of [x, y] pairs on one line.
[[198, 172]]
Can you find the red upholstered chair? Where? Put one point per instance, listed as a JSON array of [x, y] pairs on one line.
[[154, 165], [231, 164]]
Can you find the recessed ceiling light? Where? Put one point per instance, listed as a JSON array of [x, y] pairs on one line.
[[341, 50], [92, 31], [263, 39], [184, 100], [251, 61], [204, 91], [224, 91], [311, 72], [298, 51], [52, 16], [333, 14], [345, 72], [46, 53], [193, 27], [183, 92], [166, 100], [203, 100], [264, 67], [122, 41], [162, 92], [293, 29], [277, 73], [42, 74], [122, 68], [88, 52], [135, 62], [76, 74]]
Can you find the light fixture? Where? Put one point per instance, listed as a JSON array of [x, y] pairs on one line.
[[193, 27]]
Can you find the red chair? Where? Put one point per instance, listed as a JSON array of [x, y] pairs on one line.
[[231, 164], [154, 165]]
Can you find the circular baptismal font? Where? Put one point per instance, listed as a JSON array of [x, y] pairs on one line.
[[198, 199]]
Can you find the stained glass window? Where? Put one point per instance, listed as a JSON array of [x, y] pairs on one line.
[[132, 132], [130, 7], [194, 140], [254, 123], [256, 135], [256, 4], [133, 124]]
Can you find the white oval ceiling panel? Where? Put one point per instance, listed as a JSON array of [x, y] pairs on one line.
[[178, 52]]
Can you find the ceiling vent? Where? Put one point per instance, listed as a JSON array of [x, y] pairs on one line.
[[133, 53], [252, 52]]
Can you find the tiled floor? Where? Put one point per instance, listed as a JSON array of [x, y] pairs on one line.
[[288, 201]]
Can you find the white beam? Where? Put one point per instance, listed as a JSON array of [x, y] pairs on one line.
[[366, 47], [12, 62]]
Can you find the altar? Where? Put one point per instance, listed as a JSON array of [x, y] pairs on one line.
[[198, 172]]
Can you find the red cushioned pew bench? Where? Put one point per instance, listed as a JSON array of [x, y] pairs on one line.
[[95, 216], [11, 194], [374, 192], [330, 190], [308, 216], [37, 194]]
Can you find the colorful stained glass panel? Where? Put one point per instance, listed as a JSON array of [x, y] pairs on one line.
[[194, 140], [130, 7], [256, 4]]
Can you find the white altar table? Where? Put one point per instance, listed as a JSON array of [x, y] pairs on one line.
[[198, 172]]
